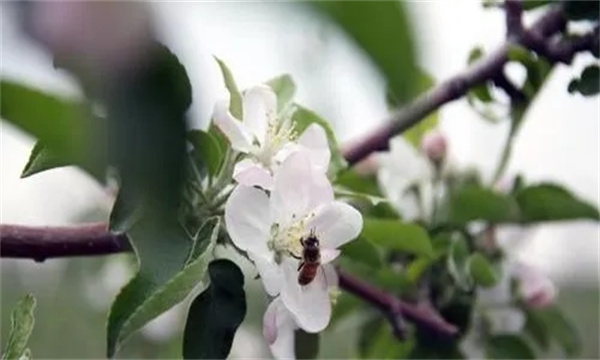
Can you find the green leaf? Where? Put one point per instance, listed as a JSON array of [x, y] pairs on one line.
[[481, 270], [376, 341], [216, 313], [559, 328], [42, 159], [457, 262], [207, 150], [171, 266], [362, 251], [387, 41], [395, 235], [306, 345], [358, 183], [125, 212], [588, 84], [284, 88], [21, 321], [472, 202], [67, 130], [235, 100], [508, 347], [416, 268], [551, 202], [582, 10], [536, 329], [303, 118]]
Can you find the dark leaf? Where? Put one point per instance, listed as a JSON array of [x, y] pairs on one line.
[[559, 328], [550, 202], [588, 84], [306, 345], [472, 202], [207, 151], [216, 313], [361, 250], [42, 159], [582, 10]]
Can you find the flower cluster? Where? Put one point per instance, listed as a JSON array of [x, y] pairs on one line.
[[283, 215]]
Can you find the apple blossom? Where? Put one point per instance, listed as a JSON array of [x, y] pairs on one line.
[[267, 137], [435, 146], [270, 229], [536, 289]]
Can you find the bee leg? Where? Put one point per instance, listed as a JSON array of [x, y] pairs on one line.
[[295, 256], [301, 265]]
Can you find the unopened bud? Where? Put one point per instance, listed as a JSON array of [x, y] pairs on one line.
[[536, 289], [435, 146]]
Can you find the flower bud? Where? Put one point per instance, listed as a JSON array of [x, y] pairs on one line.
[[435, 146], [536, 289]]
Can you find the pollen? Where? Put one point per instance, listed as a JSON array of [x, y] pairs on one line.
[[279, 132], [287, 241]]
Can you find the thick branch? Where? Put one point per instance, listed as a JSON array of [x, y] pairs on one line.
[[395, 308], [41, 243], [454, 88]]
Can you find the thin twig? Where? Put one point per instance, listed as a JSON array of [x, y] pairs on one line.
[[395, 308], [456, 87]]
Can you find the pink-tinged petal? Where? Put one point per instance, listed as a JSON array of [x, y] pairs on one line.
[[335, 224], [331, 277], [234, 130], [298, 188], [249, 173], [247, 219], [270, 273], [314, 140], [310, 303], [260, 105], [536, 288], [328, 255], [278, 330]]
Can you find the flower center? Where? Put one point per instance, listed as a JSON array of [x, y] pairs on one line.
[[286, 241], [279, 132]]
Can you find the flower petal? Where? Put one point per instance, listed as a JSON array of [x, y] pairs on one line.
[[234, 130], [335, 224], [309, 304], [331, 277], [298, 188], [328, 255], [250, 173], [270, 272], [247, 219], [260, 105], [314, 140], [278, 330]]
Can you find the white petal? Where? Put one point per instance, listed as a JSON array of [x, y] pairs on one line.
[[270, 273], [335, 224], [298, 188], [278, 330], [260, 105], [328, 255], [309, 304], [250, 173], [331, 276], [234, 130], [314, 140], [247, 219]]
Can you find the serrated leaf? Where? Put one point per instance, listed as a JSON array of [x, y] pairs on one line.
[[284, 88], [207, 151], [303, 118], [472, 202], [387, 41], [508, 347], [306, 345], [481, 270], [171, 266], [551, 202], [235, 99], [66, 128], [395, 235], [362, 251], [22, 322], [216, 313], [42, 159]]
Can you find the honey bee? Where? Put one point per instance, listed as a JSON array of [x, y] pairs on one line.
[[310, 260]]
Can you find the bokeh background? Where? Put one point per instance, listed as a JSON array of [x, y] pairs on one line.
[[560, 142]]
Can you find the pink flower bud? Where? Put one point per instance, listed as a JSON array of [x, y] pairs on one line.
[[435, 146], [535, 288]]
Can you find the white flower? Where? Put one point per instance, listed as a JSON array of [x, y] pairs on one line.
[[534, 287], [399, 170], [270, 230], [267, 137]]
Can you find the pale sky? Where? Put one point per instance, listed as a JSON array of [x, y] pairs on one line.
[[558, 142]]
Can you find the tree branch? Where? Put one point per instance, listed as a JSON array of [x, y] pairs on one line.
[[456, 87], [394, 308], [41, 243]]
